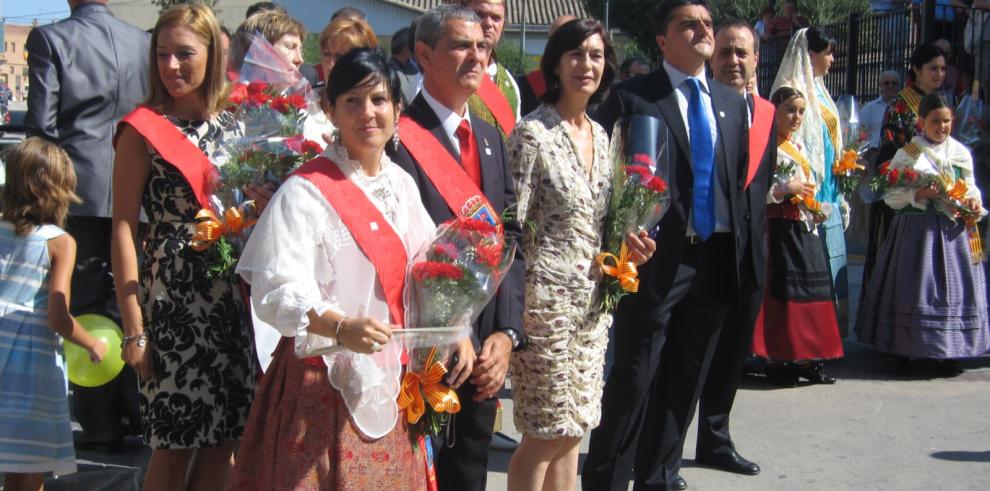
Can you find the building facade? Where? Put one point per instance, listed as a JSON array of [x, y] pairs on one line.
[[13, 62]]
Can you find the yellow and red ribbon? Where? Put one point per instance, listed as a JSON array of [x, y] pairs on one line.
[[441, 398], [210, 227], [957, 192], [624, 269]]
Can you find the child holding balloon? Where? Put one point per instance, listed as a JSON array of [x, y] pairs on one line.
[[36, 261]]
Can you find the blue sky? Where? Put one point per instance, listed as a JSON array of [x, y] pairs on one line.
[[24, 11]]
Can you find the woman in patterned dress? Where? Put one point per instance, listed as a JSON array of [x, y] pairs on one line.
[[187, 334], [560, 163], [901, 124]]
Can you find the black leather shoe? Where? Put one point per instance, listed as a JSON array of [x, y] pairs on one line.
[[679, 483], [781, 375], [814, 372], [729, 462]]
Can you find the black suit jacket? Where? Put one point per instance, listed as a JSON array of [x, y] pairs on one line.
[[506, 308], [86, 73], [653, 95], [756, 195]]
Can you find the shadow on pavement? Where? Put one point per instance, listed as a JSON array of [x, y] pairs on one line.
[[962, 456]]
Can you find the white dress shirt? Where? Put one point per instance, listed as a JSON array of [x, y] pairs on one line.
[[871, 115], [448, 119], [678, 80]]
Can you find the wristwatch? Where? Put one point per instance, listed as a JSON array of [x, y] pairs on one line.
[[518, 339]]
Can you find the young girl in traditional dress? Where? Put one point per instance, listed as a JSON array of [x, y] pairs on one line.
[[926, 298], [36, 261], [796, 328]]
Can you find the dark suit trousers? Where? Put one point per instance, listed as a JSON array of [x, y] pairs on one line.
[[464, 467], [100, 410], [724, 375], [708, 275], [630, 394]]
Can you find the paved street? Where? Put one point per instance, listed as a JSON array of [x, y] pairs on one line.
[[873, 430]]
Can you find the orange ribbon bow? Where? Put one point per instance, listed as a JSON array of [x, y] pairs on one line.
[[624, 269], [210, 228], [848, 163], [810, 203], [442, 398]]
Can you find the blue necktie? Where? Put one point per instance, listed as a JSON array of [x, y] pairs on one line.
[[702, 160]]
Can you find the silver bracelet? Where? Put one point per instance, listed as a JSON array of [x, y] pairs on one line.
[[336, 334], [141, 338]]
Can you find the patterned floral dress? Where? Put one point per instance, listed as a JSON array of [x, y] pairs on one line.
[[202, 349], [557, 382]]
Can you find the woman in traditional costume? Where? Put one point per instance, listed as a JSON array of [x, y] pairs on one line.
[[187, 333], [805, 64], [796, 328], [326, 263], [927, 295], [901, 123]]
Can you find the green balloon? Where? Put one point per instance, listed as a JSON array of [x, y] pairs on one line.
[[84, 372]]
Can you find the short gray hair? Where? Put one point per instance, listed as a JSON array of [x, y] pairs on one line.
[[432, 25], [895, 73]]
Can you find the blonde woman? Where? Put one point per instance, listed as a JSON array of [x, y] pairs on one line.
[[186, 334]]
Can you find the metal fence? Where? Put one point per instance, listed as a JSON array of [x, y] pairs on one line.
[[868, 45]]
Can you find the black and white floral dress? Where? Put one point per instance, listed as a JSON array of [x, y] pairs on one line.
[[200, 336]]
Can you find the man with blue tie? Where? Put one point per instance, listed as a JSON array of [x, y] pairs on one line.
[[665, 333]]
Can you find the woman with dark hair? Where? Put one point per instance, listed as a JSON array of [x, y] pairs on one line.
[[807, 60], [325, 416], [926, 298], [559, 158], [900, 125]]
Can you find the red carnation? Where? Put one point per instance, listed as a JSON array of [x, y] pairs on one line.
[[310, 146], [893, 176], [256, 87], [639, 170], [900, 106], [433, 269], [238, 94], [489, 255], [297, 101], [656, 185], [259, 98], [910, 175], [468, 224], [280, 104], [885, 168], [642, 159], [445, 249]]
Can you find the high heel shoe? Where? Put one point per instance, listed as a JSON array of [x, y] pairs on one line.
[[781, 375], [814, 372]]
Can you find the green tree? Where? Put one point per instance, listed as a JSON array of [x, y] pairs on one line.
[[164, 5]]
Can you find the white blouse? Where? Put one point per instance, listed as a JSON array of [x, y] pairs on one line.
[[800, 176], [301, 256], [935, 159]]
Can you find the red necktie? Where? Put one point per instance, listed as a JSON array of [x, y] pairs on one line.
[[469, 152]]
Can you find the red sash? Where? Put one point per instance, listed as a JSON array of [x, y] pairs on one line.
[[372, 233], [537, 82], [461, 194], [176, 149], [496, 102], [759, 135]]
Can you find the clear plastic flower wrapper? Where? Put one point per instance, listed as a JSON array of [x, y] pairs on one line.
[[639, 199], [848, 167], [971, 122], [448, 283], [270, 104]]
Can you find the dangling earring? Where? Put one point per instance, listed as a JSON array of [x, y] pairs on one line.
[[395, 138], [335, 135]]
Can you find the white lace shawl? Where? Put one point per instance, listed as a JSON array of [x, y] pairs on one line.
[[301, 257], [935, 159]]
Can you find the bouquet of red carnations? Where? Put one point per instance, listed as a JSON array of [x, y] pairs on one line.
[[448, 283]]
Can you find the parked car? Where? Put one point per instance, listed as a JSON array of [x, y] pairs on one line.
[[12, 132]]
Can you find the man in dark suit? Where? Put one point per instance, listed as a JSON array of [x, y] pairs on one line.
[[86, 73], [453, 54], [734, 64], [665, 333]]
